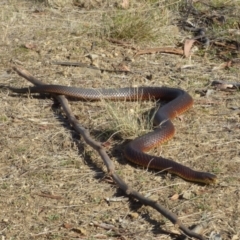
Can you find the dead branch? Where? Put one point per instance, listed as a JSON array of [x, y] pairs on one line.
[[110, 166]]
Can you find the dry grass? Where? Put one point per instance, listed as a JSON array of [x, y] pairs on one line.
[[40, 153], [127, 119], [137, 25]]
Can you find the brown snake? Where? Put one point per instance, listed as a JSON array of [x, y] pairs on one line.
[[179, 102]]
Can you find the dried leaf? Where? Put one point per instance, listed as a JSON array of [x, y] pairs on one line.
[[67, 225], [188, 46], [174, 197]]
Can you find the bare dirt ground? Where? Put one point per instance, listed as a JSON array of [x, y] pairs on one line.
[[52, 185]]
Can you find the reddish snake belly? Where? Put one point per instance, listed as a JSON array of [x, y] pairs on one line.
[[179, 101]]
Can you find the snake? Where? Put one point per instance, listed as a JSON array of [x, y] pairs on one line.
[[178, 102]]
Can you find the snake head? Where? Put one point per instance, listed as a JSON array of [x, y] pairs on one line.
[[209, 178]]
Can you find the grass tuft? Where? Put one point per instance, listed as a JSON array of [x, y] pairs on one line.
[[130, 120], [138, 25]]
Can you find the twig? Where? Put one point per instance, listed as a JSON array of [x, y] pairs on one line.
[[225, 85], [84, 65], [110, 166], [49, 196], [170, 50], [121, 43]]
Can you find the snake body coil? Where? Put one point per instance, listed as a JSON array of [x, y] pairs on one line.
[[179, 102]]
